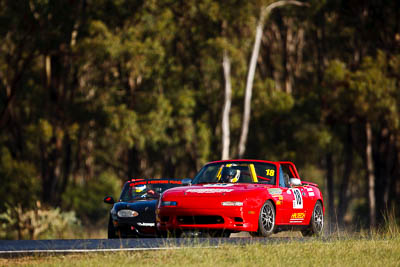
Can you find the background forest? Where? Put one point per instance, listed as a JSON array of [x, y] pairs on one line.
[[93, 93]]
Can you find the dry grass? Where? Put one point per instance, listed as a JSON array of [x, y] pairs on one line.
[[378, 250]]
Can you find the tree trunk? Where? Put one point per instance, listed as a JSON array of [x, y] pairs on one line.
[[370, 175], [348, 165], [252, 67], [13, 87], [320, 48], [330, 188], [67, 165], [390, 169], [394, 192], [226, 64], [249, 88], [384, 163]]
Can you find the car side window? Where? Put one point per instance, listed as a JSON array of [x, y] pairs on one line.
[[283, 178]]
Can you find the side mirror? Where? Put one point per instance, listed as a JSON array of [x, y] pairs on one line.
[[187, 181], [295, 182], [109, 200]]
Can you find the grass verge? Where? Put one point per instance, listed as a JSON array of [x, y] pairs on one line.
[[376, 251]]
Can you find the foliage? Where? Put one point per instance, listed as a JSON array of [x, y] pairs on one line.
[[18, 183], [37, 223], [85, 199], [95, 92]]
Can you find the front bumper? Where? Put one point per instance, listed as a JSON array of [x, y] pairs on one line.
[[233, 219], [129, 228]]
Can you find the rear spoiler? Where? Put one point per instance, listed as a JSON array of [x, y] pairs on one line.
[[309, 183]]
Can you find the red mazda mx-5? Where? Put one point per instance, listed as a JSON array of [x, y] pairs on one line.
[[261, 197]]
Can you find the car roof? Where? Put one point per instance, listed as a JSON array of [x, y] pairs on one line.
[[243, 160], [291, 165]]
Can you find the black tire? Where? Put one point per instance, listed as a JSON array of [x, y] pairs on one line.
[[254, 234], [317, 222], [226, 234], [176, 233], [111, 230], [161, 234], [170, 234], [266, 220]]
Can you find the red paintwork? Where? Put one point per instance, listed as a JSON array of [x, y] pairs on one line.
[[309, 183], [205, 199]]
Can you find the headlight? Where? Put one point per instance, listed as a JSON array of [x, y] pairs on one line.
[[113, 212], [232, 203], [168, 203], [127, 213]]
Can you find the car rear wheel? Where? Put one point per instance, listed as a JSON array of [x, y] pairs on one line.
[[316, 223], [161, 234], [111, 229], [169, 234], [266, 220]]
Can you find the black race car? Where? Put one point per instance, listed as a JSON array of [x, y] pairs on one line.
[[134, 214]]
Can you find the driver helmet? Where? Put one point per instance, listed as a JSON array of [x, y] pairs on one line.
[[140, 188], [230, 175]]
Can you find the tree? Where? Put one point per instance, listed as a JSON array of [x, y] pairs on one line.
[[227, 106], [252, 67]]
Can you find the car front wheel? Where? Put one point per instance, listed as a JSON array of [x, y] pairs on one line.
[[266, 220], [111, 229]]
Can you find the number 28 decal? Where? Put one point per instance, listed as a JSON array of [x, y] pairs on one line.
[[298, 200]]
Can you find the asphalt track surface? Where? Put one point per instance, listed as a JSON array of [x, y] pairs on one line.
[[17, 248]]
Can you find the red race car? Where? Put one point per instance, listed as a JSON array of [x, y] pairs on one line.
[[257, 196]]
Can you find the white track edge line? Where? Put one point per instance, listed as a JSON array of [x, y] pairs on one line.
[[91, 250]]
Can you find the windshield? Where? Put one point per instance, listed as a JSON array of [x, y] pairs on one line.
[[237, 172], [146, 189]]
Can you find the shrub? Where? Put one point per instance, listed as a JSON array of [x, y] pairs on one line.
[[37, 223]]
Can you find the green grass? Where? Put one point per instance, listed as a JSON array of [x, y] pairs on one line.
[[377, 251]]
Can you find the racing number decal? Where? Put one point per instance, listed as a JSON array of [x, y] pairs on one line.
[[298, 200], [270, 172]]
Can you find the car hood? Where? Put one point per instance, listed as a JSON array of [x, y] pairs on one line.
[[139, 205]]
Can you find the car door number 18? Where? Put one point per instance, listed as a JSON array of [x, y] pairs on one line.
[[298, 200]]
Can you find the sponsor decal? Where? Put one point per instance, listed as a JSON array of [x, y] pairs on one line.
[[137, 183], [310, 192], [289, 192], [146, 224], [279, 199], [298, 199], [217, 185], [209, 190], [299, 215], [275, 191], [154, 182], [158, 182]]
